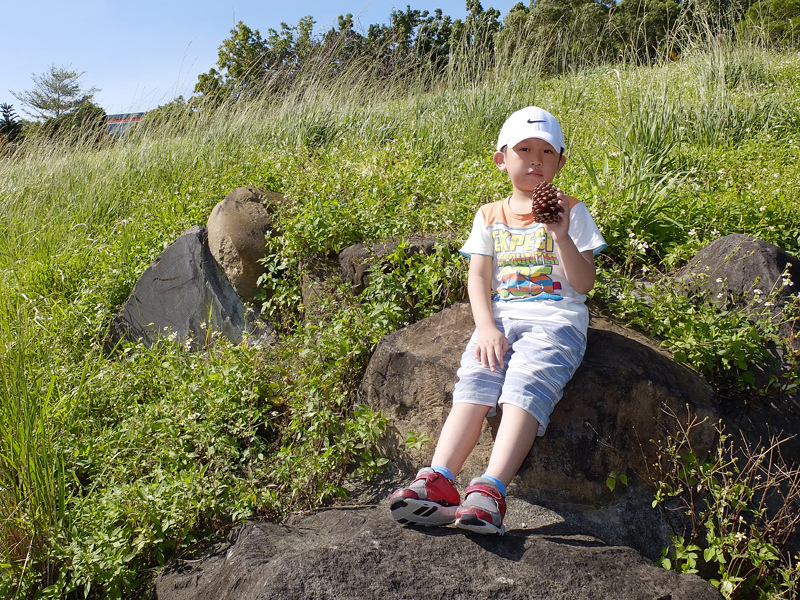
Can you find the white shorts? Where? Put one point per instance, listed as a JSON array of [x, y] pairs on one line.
[[541, 359]]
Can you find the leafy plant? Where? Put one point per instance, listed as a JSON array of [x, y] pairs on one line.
[[741, 504], [415, 441], [615, 478]]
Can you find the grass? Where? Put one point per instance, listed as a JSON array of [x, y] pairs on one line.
[[110, 465]]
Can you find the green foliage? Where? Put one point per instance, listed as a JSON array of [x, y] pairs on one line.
[[415, 441], [55, 93], [175, 116], [741, 505], [614, 478], [774, 21], [410, 287], [723, 342], [85, 124], [10, 125]]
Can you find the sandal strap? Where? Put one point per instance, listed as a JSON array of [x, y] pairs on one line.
[[484, 489]]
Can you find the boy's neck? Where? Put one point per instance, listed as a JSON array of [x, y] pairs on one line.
[[520, 202]]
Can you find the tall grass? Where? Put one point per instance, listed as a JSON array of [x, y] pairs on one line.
[[109, 465]]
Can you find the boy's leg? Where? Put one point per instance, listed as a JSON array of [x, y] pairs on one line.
[[459, 435], [513, 442], [484, 505], [431, 499]]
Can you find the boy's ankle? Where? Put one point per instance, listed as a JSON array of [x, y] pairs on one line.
[[501, 487], [444, 471]]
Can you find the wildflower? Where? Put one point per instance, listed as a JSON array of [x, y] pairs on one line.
[[715, 232], [692, 231], [645, 269], [757, 292], [720, 295], [740, 536], [719, 279], [763, 208]]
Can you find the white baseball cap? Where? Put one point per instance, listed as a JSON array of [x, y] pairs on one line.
[[531, 122]]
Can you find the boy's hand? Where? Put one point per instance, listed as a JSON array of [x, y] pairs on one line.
[[491, 347], [561, 229]]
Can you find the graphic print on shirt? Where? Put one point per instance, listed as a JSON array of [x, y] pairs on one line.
[[525, 261]]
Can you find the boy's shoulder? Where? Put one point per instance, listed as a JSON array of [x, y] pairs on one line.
[[498, 211]]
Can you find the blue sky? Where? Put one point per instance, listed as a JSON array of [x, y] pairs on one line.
[[144, 54]]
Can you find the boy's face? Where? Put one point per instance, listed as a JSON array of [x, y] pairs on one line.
[[529, 163]]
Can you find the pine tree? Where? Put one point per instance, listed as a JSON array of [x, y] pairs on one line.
[[56, 93]]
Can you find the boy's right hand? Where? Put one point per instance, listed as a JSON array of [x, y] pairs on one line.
[[490, 348]]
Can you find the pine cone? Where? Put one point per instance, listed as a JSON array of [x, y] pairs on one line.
[[545, 207]]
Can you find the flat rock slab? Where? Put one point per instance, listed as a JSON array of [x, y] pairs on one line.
[[362, 554]]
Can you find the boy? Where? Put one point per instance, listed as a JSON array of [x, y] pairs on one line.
[[527, 284]]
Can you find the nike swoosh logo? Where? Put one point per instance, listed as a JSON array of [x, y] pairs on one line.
[[529, 121]]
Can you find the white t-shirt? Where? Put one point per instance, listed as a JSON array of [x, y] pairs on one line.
[[530, 282]]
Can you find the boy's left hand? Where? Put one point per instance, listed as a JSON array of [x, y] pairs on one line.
[[561, 228]]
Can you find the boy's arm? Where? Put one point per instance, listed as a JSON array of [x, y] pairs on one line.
[[578, 266], [491, 345]]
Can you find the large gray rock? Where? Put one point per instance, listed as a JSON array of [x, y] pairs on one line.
[[363, 554], [238, 227], [748, 273], [625, 398], [184, 296], [729, 270]]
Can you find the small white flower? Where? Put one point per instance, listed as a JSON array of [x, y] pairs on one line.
[[715, 232], [719, 279], [757, 292], [740, 536], [763, 208], [692, 231], [720, 295], [645, 269]]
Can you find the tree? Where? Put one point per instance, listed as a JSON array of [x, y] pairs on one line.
[[55, 94], [10, 125], [249, 64], [87, 123], [778, 21]]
